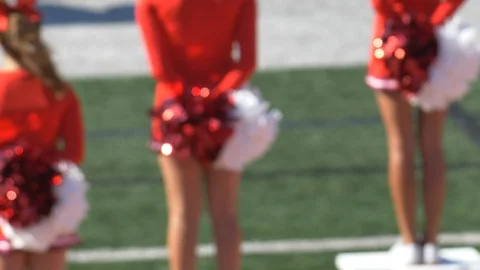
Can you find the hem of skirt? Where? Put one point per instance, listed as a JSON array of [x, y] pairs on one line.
[[381, 84], [66, 242]]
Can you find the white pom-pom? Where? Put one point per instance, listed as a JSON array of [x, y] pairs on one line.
[[254, 132], [67, 214], [455, 69], [72, 206]]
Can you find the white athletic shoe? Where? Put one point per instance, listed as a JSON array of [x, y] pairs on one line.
[[431, 253], [405, 254]]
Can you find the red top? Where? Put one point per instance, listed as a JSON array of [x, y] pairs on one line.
[[437, 10], [30, 112], [189, 43]]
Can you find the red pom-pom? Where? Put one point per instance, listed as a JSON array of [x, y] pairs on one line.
[[197, 125], [27, 184], [408, 47]]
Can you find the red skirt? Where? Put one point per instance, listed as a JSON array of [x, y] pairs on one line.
[[379, 76]]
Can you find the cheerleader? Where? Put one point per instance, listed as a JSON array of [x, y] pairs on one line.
[[42, 191], [448, 66], [189, 45]]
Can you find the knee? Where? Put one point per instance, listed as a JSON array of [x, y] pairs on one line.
[[434, 163], [432, 155], [227, 221], [401, 155], [184, 217]]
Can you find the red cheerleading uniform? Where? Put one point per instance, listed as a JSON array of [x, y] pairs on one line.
[[379, 76], [189, 43], [30, 113]]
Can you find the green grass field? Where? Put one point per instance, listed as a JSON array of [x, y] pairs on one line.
[[325, 176]]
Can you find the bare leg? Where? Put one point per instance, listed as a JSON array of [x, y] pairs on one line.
[[223, 189], [396, 114], [52, 260], [13, 261], [431, 138], [183, 187]]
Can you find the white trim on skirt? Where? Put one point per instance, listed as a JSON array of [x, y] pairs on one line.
[[381, 84]]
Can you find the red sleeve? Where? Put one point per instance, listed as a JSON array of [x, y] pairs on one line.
[[156, 42], [444, 10], [246, 36], [165, 91], [389, 8], [72, 132]]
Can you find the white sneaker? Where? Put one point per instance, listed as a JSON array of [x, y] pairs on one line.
[[431, 253], [405, 254]]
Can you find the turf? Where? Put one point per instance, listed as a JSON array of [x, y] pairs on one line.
[[324, 177]]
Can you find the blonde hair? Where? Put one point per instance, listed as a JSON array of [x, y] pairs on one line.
[[23, 43]]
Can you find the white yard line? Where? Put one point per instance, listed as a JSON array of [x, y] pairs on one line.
[[111, 255]]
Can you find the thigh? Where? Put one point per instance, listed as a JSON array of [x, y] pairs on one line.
[[432, 126], [52, 260], [223, 192], [13, 261], [183, 185], [396, 113]]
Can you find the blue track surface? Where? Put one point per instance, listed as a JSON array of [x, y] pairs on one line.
[[56, 15]]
